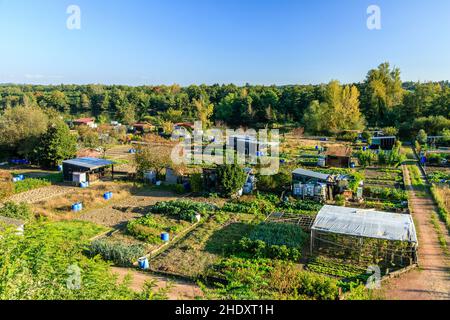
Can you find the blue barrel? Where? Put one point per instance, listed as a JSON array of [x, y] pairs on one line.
[[60, 168], [106, 196], [165, 237], [364, 148], [143, 263]]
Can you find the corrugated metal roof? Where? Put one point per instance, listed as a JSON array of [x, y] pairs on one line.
[[89, 163], [312, 174], [366, 223]]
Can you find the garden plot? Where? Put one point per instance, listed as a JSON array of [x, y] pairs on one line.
[[384, 189], [60, 207], [207, 244]]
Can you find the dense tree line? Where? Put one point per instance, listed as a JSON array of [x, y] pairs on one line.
[[382, 100]]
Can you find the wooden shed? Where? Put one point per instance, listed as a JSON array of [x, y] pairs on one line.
[[338, 156]]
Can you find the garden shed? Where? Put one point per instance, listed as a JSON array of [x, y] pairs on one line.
[[338, 156], [383, 143], [365, 235], [86, 169]]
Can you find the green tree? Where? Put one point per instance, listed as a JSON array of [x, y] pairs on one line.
[[21, 128], [231, 178], [382, 92], [56, 145], [204, 111], [422, 137]]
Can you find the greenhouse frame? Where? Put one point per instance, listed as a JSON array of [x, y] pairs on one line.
[[367, 236]]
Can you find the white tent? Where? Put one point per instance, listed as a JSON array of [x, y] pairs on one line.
[[365, 223]]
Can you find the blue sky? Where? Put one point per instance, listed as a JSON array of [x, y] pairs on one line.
[[139, 42]]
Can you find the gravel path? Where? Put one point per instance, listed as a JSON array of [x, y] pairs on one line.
[[432, 280]]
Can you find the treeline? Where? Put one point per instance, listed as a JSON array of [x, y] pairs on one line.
[[382, 100]]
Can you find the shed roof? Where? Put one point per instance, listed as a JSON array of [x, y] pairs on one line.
[[312, 174], [366, 223], [384, 138], [84, 120], [89, 163]]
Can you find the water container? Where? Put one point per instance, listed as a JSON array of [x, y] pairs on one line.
[[364, 148], [106, 196], [165, 237], [352, 165], [60, 168], [143, 263]]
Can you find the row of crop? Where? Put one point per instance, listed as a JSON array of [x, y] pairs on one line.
[[349, 275], [35, 183], [272, 240], [439, 177], [119, 253], [258, 279], [386, 193], [183, 209], [442, 207]]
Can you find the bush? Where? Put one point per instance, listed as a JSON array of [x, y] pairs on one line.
[[260, 249], [196, 181], [121, 254], [231, 178], [183, 209], [317, 286], [16, 211]]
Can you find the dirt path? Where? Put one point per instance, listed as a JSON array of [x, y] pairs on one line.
[[432, 280], [178, 290]]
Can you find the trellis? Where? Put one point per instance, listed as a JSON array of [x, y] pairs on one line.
[[305, 222]]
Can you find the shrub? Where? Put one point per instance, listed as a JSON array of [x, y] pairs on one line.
[[231, 178], [317, 286], [196, 181], [16, 211], [6, 185], [121, 254], [183, 209]]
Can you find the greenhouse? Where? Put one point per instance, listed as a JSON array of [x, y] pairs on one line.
[[366, 236]]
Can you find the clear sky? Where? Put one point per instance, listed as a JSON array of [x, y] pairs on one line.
[[139, 42]]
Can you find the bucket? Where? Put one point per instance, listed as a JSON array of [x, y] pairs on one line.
[[165, 237], [77, 207], [143, 263]]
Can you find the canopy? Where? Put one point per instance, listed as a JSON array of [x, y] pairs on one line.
[[366, 223]]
